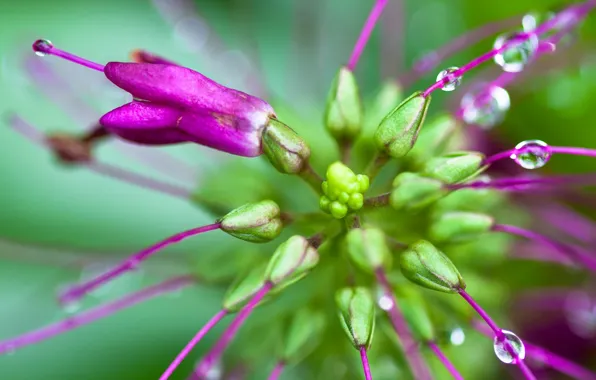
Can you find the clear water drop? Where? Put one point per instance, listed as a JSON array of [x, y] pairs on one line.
[[385, 302], [531, 154], [457, 336], [485, 105], [452, 81], [509, 347], [42, 47], [515, 58]]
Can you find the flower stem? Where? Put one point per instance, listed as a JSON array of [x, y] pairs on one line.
[[411, 350], [525, 370], [102, 311], [193, 342], [75, 293], [496, 330], [214, 355], [369, 25], [378, 201], [310, 176], [52, 50], [375, 165], [445, 361], [277, 370], [527, 183], [576, 151], [365, 365]]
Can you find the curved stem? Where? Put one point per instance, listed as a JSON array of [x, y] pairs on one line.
[[192, 343], [369, 25], [277, 370], [94, 314], [52, 50], [378, 201], [365, 365], [445, 361], [75, 293], [310, 176], [525, 370], [214, 355], [496, 330]]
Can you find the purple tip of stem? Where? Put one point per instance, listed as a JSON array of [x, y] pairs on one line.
[[496, 330], [214, 355], [369, 25], [193, 342], [445, 361], [45, 47], [365, 365], [412, 353], [565, 250], [75, 293], [94, 314], [277, 370]]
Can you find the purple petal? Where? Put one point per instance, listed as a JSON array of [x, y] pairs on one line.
[[182, 87], [145, 123]]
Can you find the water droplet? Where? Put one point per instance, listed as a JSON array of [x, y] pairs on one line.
[[451, 81], [509, 348], [515, 58], [531, 154], [457, 336], [42, 47], [385, 302], [485, 105]]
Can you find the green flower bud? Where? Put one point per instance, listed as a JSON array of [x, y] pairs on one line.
[[257, 222], [303, 334], [284, 148], [343, 190], [357, 315], [343, 114], [433, 139], [412, 191], [454, 167], [368, 249], [459, 226], [398, 131], [243, 289], [414, 310], [291, 261], [425, 265]]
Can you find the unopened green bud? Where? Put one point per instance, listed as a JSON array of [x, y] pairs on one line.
[[304, 334], [398, 131], [284, 148], [291, 261], [425, 265], [412, 191], [343, 114], [414, 310], [434, 138], [257, 222], [460, 226], [368, 249], [243, 289], [455, 167], [343, 190], [357, 315]]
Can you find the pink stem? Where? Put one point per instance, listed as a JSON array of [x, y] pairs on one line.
[[552, 149], [445, 361], [216, 352], [94, 314], [50, 49], [369, 25], [525, 370], [365, 365], [523, 182], [277, 370], [75, 293], [496, 330], [412, 353], [193, 342], [564, 249]]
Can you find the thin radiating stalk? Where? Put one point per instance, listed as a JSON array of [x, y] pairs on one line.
[[365, 365], [575, 151], [445, 361], [102, 311], [369, 25], [277, 370]]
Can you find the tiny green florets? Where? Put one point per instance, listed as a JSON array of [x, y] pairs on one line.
[[343, 190]]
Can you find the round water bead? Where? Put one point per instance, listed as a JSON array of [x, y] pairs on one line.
[[515, 58], [457, 336], [531, 154], [42, 47], [509, 347], [485, 105], [452, 81]]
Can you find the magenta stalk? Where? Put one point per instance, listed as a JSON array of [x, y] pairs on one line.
[[214, 355], [94, 314], [410, 347], [445, 361], [277, 370], [369, 25], [576, 151], [75, 293], [192, 343], [365, 365]]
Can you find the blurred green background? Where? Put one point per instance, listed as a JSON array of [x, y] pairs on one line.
[[54, 220]]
